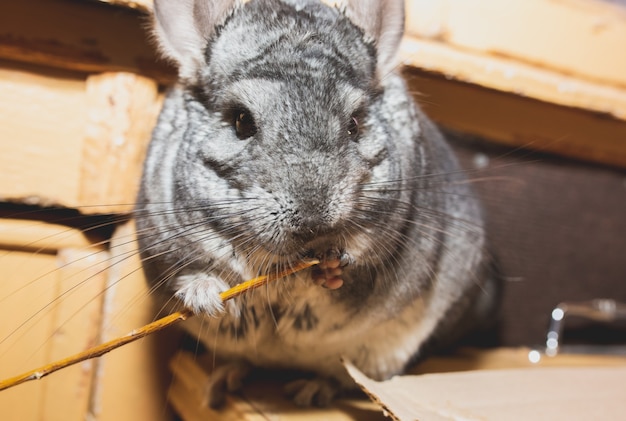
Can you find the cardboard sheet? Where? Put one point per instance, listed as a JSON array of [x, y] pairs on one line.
[[555, 393]]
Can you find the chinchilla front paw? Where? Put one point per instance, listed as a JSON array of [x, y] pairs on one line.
[[201, 294]]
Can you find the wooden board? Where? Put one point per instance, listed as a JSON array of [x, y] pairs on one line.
[[50, 307], [518, 78], [72, 140], [521, 122], [42, 122], [131, 382], [55, 303], [581, 38], [79, 35]]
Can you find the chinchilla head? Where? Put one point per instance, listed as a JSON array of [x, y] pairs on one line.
[[294, 132]]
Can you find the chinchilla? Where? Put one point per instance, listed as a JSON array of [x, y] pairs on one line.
[[290, 135]]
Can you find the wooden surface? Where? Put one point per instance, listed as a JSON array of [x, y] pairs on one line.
[[537, 74], [520, 122], [519, 78], [132, 380], [56, 302], [39, 237], [42, 119], [260, 399], [82, 35], [40, 296], [72, 140], [581, 38], [122, 110], [263, 399]]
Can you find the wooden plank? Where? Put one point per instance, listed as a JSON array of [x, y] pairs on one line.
[[67, 140], [521, 122], [39, 236], [142, 5], [187, 394], [512, 76], [81, 278], [122, 110], [42, 123], [505, 358], [582, 38], [28, 285], [79, 35], [260, 399], [50, 308], [131, 381]]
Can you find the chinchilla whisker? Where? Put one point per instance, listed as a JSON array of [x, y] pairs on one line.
[[429, 232], [450, 219], [31, 282], [491, 178], [431, 186], [458, 175], [444, 249], [49, 306], [390, 241]]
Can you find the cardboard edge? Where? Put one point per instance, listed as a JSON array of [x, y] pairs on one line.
[[378, 395]]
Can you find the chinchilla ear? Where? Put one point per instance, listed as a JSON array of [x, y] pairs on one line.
[[183, 28], [383, 22]]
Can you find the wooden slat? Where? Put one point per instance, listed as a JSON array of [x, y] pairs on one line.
[[131, 384], [506, 74], [42, 125], [67, 140], [582, 38], [39, 236], [24, 347], [506, 358], [521, 122], [80, 35], [260, 399], [81, 278], [142, 5], [50, 306], [122, 110]]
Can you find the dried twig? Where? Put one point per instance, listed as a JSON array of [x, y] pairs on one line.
[[146, 330]]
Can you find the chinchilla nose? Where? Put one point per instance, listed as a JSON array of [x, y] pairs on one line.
[[314, 202], [311, 217], [309, 223]]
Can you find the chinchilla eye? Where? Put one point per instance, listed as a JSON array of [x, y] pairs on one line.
[[353, 127], [243, 123]]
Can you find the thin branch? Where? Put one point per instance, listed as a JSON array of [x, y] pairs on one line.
[[146, 330]]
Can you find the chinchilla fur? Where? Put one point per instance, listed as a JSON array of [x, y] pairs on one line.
[[291, 135]]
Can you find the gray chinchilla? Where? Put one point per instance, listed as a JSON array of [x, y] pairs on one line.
[[290, 135]]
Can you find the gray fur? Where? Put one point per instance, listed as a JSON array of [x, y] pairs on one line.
[[215, 209]]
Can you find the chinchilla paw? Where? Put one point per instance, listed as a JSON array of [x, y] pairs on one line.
[[318, 391], [201, 294], [226, 378]]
